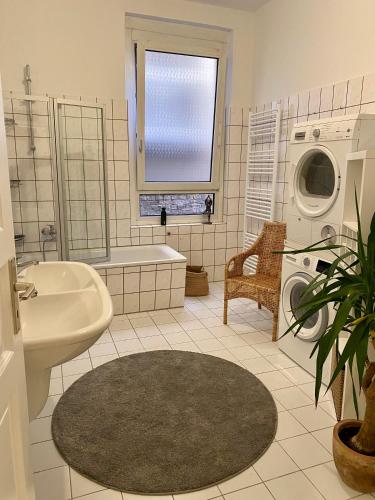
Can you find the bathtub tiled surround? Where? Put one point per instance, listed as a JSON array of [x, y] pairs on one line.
[[145, 288]]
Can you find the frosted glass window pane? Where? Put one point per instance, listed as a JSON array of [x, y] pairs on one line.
[[180, 94]]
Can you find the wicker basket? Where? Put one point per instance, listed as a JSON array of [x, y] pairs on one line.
[[196, 281]]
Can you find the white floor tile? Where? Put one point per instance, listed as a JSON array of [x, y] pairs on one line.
[[324, 436], [297, 375], [53, 484], [147, 331], [186, 346], [267, 349], [293, 487], [306, 451], [193, 324], [241, 328], [68, 380], [142, 322], [222, 331], [209, 345], [288, 426], [254, 338], [132, 345], [201, 334], [105, 337], [76, 367], [274, 380], [233, 341], [100, 360], [104, 495], [205, 494], [177, 338], [55, 386], [243, 480], [281, 361], [49, 406], [309, 389], [274, 463], [326, 479], [225, 354], [83, 486], [245, 352], [124, 335], [257, 492], [292, 397], [211, 322], [120, 322], [328, 407], [258, 365], [45, 456], [56, 372], [130, 496], [156, 342], [182, 315], [170, 328], [40, 430], [313, 418], [102, 349]]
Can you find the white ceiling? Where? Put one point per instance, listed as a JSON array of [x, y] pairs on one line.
[[235, 4]]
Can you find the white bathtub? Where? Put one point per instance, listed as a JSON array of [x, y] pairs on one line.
[[141, 255], [144, 278]]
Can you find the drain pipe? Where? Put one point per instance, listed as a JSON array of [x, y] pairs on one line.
[[27, 81]]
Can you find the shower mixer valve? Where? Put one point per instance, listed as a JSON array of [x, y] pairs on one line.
[[49, 231]]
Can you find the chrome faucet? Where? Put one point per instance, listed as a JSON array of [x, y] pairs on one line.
[[28, 290], [23, 265]]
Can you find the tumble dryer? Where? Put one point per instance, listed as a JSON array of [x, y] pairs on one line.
[[317, 174]]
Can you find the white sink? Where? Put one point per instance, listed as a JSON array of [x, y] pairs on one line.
[[72, 309]]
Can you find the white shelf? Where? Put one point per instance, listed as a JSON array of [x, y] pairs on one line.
[[361, 155], [352, 225]]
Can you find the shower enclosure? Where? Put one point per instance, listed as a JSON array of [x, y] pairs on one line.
[[58, 172]]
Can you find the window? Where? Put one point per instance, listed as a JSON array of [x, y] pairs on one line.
[[175, 87], [175, 204], [180, 114]]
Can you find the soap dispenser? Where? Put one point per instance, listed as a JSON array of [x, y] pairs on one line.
[[163, 217]]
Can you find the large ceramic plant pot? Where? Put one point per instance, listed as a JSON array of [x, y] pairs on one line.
[[355, 469]]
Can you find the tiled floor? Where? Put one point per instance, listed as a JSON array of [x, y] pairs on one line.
[[297, 466]]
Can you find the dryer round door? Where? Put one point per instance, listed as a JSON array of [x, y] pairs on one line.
[[293, 289], [316, 181]]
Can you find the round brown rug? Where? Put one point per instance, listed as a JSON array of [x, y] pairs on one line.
[[164, 422]]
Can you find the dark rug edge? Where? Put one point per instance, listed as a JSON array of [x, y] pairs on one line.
[[175, 492]]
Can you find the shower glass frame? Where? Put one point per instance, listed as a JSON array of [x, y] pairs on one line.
[[59, 175]]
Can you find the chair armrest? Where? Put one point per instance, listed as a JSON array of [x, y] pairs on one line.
[[234, 266]]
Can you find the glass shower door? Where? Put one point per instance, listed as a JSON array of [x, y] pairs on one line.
[[82, 173], [31, 158]]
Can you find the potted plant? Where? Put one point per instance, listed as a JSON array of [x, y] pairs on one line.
[[349, 285]]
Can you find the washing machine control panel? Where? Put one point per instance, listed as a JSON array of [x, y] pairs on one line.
[[308, 262], [330, 131]]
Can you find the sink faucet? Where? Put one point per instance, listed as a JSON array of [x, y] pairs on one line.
[[28, 290]]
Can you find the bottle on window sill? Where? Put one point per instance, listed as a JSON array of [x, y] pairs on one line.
[[163, 217]]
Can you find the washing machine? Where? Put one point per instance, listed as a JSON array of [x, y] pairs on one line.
[[317, 174], [298, 271]]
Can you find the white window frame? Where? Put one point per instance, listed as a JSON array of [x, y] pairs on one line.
[[145, 35]]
